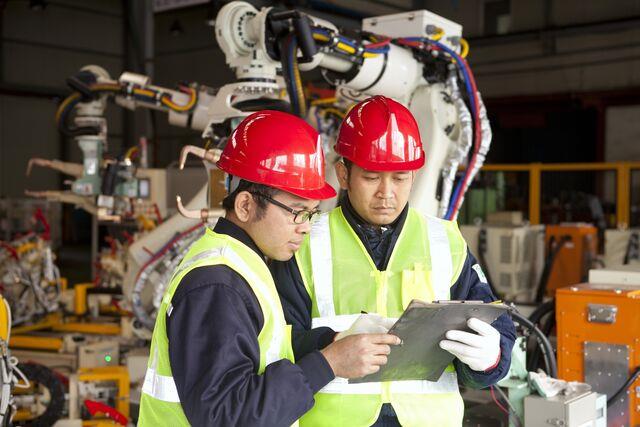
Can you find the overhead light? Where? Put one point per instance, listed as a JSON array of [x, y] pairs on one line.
[[176, 29], [37, 5]]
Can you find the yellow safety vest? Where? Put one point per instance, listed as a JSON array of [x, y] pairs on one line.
[[342, 280], [160, 403]]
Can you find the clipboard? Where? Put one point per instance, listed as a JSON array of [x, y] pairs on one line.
[[421, 327]]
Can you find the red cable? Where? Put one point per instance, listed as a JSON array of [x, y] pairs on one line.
[[166, 248], [381, 43], [478, 133], [411, 43], [495, 399], [12, 251], [128, 237], [39, 216], [157, 211], [112, 244], [477, 124]]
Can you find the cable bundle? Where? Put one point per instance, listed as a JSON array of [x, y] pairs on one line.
[[91, 92], [474, 102], [346, 46], [291, 73]]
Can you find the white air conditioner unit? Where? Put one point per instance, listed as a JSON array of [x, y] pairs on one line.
[[621, 244], [514, 257]]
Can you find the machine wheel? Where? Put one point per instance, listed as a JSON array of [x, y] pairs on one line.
[[47, 383]]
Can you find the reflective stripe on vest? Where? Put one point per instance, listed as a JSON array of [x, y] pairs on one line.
[[440, 253], [160, 387], [448, 383], [322, 266], [273, 352], [163, 387]]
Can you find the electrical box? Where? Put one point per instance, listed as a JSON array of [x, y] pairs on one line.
[[418, 23], [598, 330], [105, 353], [567, 411], [623, 275], [513, 257], [574, 258]]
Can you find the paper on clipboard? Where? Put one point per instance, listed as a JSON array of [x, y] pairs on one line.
[[421, 327]]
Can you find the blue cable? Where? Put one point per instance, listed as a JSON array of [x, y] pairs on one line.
[[467, 81], [347, 42], [381, 50], [465, 72]]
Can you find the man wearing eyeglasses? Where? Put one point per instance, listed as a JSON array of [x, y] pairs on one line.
[[221, 351], [375, 254]]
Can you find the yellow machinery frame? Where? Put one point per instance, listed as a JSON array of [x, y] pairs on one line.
[[56, 323], [117, 374], [623, 183]]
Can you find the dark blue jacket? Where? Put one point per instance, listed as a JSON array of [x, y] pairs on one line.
[[214, 353], [380, 243]]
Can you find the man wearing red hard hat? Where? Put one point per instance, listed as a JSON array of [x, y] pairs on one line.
[[374, 254], [221, 351]]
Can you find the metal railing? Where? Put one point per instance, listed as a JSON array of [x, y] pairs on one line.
[[622, 170]]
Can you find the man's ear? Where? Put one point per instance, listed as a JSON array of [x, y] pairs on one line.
[[244, 206], [343, 175]]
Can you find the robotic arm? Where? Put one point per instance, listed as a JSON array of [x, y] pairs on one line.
[[418, 60]]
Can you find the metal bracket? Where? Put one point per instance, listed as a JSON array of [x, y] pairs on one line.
[[601, 313]]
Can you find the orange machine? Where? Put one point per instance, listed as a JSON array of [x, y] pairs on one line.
[[577, 244], [598, 329]]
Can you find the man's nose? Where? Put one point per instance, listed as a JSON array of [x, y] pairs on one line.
[[385, 189], [304, 228]]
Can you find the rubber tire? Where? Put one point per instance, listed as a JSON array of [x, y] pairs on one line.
[[45, 376]]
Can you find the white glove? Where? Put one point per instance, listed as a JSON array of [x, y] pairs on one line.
[[368, 324], [479, 351]]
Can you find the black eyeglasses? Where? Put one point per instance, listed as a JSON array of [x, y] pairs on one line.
[[300, 217]]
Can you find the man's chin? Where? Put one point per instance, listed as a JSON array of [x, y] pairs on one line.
[[383, 218], [283, 256]]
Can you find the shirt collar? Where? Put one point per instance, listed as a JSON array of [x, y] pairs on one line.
[[355, 219], [224, 226]]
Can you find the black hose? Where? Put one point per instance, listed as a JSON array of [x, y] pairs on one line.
[[288, 72], [546, 326], [46, 377], [73, 131], [541, 311], [624, 387], [536, 318], [552, 254], [545, 346]]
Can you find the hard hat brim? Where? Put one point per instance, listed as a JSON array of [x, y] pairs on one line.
[[326, 192], [388, 166]]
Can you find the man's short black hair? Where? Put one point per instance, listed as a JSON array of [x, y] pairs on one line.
[[347, 163], [257, 190]]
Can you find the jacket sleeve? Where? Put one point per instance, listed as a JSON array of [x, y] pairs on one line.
[[471, 286], [296, 304], [214, 356]]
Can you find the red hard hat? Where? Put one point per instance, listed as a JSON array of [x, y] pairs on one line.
[[279, 150], [380, 134]]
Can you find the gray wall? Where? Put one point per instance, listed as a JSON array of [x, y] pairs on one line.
[[554, 46], [38, 50]]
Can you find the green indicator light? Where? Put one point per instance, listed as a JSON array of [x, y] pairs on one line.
[[107, 358]]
